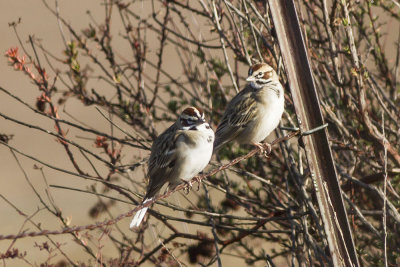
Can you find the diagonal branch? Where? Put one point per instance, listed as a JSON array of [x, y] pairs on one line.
[[130, 213]]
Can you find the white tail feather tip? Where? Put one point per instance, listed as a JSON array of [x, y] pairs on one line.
[[138, 218]]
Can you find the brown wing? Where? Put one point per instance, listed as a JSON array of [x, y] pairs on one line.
[[239, 112], [162, 160]]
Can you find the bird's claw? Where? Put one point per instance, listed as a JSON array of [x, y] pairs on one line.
[[198, 180], [265, 148], [188, 186]]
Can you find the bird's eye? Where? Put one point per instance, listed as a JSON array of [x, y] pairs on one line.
[[207, 127], [259, 75]]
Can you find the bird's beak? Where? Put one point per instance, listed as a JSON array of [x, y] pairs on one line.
[[251, 79]]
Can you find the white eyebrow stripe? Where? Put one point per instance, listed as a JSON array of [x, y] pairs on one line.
[[197, 112], [193, 113], [188, 117]]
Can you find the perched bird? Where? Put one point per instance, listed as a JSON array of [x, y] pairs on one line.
[[254, 112], [178, 154]]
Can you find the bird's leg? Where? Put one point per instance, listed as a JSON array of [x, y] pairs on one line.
[[188, 186], [198, 180], [259, 145], [265, 148]]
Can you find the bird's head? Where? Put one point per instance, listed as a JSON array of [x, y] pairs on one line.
[[191, 117], [260, 74]]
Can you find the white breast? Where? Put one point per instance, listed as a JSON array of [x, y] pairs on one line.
[[193, 159], [270, 111], [269, 120]]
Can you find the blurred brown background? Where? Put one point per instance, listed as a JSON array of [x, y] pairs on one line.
[[16, 194], [38, 21], [34, 19]]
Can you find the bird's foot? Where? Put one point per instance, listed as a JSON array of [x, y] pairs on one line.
[[198, 180], [188, 186], [265, 148]]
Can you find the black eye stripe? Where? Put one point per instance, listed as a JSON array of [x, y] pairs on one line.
[[261, 71], [186, 122], [194, 113], [191, 119]]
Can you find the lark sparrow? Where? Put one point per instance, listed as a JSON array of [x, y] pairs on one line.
[[178, 154], [255, 111]]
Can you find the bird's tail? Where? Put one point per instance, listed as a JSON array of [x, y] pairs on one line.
[[138, 218]]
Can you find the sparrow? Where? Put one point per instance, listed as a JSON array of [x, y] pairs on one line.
[[178, 154], [254, 112]]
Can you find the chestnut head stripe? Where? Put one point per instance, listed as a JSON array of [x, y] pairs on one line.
[[255, 68], [267, 75], [191, 116]]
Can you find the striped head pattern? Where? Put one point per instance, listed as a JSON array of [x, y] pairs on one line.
[[191, 117], [261, 74]]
